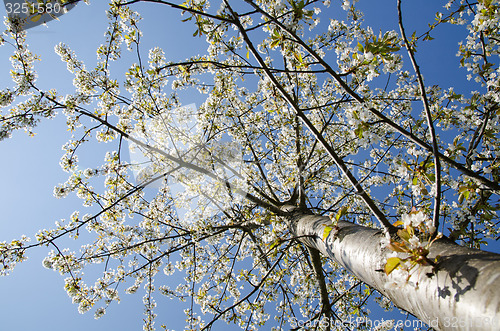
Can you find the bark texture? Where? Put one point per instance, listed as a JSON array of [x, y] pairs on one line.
[[462, 293]]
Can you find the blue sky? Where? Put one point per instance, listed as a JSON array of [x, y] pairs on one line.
[[33, 297]]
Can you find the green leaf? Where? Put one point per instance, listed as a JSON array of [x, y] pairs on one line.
[[398, 223], [391, 264], [359, 131], [428, 37], [462, 189], [326, 232], [298, 57], [403, 234], [398, 247], [415, 181], [431, 177], [274, 244], [423, 189], [274, 43], [461, 198], [342, 211], [36, 18]]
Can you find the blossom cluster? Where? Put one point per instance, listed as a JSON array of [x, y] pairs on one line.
[[411, 249]]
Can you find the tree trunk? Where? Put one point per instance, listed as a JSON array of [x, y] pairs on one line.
[[462, 293]]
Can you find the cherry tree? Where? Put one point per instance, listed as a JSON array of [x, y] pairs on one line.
[[322, 173]]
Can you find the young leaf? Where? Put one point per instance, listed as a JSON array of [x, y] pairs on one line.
[[397, 247], [403, 234], [398, 223], [391, 264], [298, 57], [342, 211], [326, 232], [36, 18]]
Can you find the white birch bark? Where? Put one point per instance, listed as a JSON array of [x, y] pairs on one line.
[[462, 294]]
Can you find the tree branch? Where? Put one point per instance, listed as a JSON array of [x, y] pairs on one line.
[[430, 124], [326, 307], [485, 181], [335, 157]]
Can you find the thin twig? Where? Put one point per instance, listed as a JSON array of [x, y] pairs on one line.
[[425, 102]]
